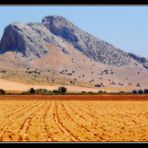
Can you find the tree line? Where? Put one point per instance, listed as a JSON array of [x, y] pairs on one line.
[[63, 91]]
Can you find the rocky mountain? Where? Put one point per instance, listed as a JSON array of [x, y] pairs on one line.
[[56, 51], [29, 39], [89, 45]]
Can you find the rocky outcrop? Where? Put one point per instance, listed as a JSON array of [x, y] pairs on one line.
[[13, 39], [29, 39], [89, 45]]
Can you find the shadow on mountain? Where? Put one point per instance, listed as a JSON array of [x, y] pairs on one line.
[[3, 51]]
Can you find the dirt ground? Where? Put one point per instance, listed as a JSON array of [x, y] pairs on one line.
[[14, 86], [74, 118]]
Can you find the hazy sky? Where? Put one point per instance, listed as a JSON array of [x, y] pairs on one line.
[[126, 27]]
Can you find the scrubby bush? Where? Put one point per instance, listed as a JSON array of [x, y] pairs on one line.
[[102, 92], [43, 91], [83, 92], [138, 85], [55, 92], [97, 85], [62, 90], [146, 91], [140, 92], [90, 93], [122, 92], [135, 92], [2, 92], [32, 91]]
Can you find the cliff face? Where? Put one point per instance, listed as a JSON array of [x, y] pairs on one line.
[[28, 39], [13, 39]]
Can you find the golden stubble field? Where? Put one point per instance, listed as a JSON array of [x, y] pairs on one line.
[[38, 118]]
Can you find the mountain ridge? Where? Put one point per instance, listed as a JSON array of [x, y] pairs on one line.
[[56, 51], [71, 33], [85, 42], [59, 26]]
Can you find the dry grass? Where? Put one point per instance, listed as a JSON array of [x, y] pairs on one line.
[[40, 118]]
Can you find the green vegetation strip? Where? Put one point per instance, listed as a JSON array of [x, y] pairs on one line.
[[63, 91]]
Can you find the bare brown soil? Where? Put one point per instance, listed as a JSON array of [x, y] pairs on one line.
[[77, 97], [74, 118]]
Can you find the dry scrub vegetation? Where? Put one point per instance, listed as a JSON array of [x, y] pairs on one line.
[[73, 120]]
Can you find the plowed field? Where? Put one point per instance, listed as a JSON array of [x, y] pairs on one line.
[[45, 118]]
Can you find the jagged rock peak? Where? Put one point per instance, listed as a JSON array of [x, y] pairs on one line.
[[29, 39], [59, 25]]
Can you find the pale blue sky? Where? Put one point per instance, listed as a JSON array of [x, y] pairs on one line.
[[126, 27]]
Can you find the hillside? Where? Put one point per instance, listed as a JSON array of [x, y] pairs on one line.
[[57, 52]]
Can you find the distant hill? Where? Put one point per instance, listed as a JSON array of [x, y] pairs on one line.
[[56, 51]]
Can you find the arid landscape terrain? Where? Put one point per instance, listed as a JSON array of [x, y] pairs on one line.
[[57, 52], [43, 64], [74, 118]]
